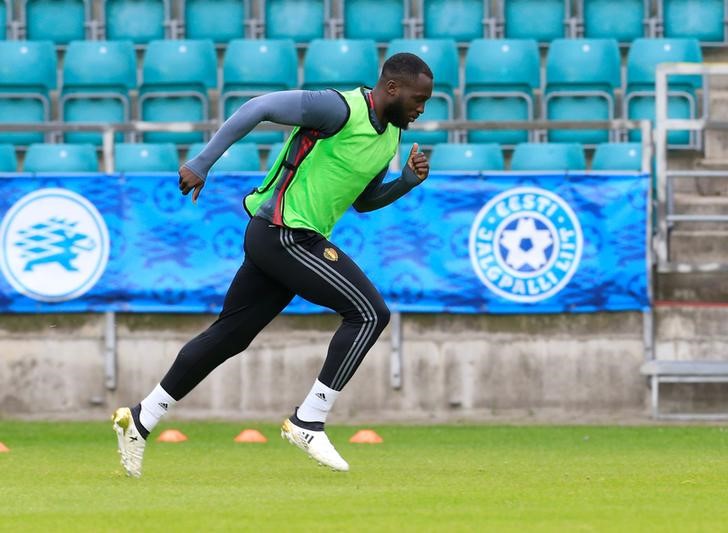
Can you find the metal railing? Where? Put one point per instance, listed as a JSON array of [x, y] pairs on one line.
[[666, 216]]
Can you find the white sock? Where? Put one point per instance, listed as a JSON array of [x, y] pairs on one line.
[[154, 407], [318, 403]]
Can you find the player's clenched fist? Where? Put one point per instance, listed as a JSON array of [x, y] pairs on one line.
[[418, 162], [189, 181]]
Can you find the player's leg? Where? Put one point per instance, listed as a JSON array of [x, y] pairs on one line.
[[251, 302], [320, 272]]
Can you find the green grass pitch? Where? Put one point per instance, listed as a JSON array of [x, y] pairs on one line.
[[65, 476]]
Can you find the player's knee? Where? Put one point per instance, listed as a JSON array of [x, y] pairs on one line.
[[382, 314]]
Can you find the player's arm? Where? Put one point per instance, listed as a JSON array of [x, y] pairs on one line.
[[324, 111], [379, 194]]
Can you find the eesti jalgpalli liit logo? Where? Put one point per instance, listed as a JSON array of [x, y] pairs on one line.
[[526, 244], [54, 245]]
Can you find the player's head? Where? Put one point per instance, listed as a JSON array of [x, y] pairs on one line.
[[406, 82]]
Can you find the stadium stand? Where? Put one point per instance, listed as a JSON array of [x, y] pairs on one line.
[[60, 21], [548, 156], [623, 20], [218, 20], [618, 156], [273, 154], [177, 75], [27, 75], [56, 157], [97, 78], [462, 20], [340, 63], [8, 161], [466, 157], [300, 20], [704, 20], [6, 16], [442, 57], [240, 157], [139, 21], [542, 20], [581, 78], [358, 16], [253, 67], [639, 100], [501, 76], [145, 157]]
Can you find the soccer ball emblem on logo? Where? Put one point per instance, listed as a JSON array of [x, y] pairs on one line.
[[525, 244]]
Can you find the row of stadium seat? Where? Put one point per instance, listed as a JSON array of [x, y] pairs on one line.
[[142, 21], [500, 82], [164, 157]]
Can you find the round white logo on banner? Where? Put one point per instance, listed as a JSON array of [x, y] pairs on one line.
[[525, 244], [55, 245]]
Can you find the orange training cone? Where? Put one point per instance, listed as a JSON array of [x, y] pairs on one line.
[[250, 435], [171, 435], [3, 448], [366, 436]]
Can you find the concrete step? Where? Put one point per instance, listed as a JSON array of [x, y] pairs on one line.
[[695, 204], [696, 287], [699, 246]]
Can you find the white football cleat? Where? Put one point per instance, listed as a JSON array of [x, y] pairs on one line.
[[316, 444], [131, 443]]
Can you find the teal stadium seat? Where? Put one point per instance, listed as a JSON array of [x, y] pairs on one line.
[[581, 77], [145, 157], [500, 78], [218, 20], [5, 18], [342, 64], [639, 102], [623, 20], [240, 157], [548, 157], [139, 21], [256, 66], [542, 20], [275, 149], [300, 20], [60, 21], [466, 157], [704, 20], [8, 161], [388, 17], [53, 157], [442, 57], [618, 156], [27, 74], [177, 75], [97, 78], [461, 20]]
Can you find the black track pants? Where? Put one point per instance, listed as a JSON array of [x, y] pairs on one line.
[[280, 263]]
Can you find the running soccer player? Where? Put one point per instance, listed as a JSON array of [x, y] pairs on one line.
[[336, 156]]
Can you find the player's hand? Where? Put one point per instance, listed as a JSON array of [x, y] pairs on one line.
[[188, 181], [418, 162]]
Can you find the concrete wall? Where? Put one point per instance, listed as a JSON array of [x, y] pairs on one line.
[[565, 368], [454, 367]]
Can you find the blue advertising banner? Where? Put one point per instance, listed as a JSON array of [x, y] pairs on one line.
[[459, 243]]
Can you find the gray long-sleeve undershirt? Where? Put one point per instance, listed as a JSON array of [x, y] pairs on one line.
[[324, 111]]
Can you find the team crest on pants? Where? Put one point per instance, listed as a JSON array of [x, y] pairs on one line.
[[55, 245], [525, 244], [330, 254]]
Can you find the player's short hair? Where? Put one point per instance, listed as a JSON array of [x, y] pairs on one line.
[[405, 66]]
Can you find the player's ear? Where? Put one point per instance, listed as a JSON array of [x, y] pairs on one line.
[[392, 87]]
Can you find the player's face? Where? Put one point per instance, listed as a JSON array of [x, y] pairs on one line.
[[410, 101]]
